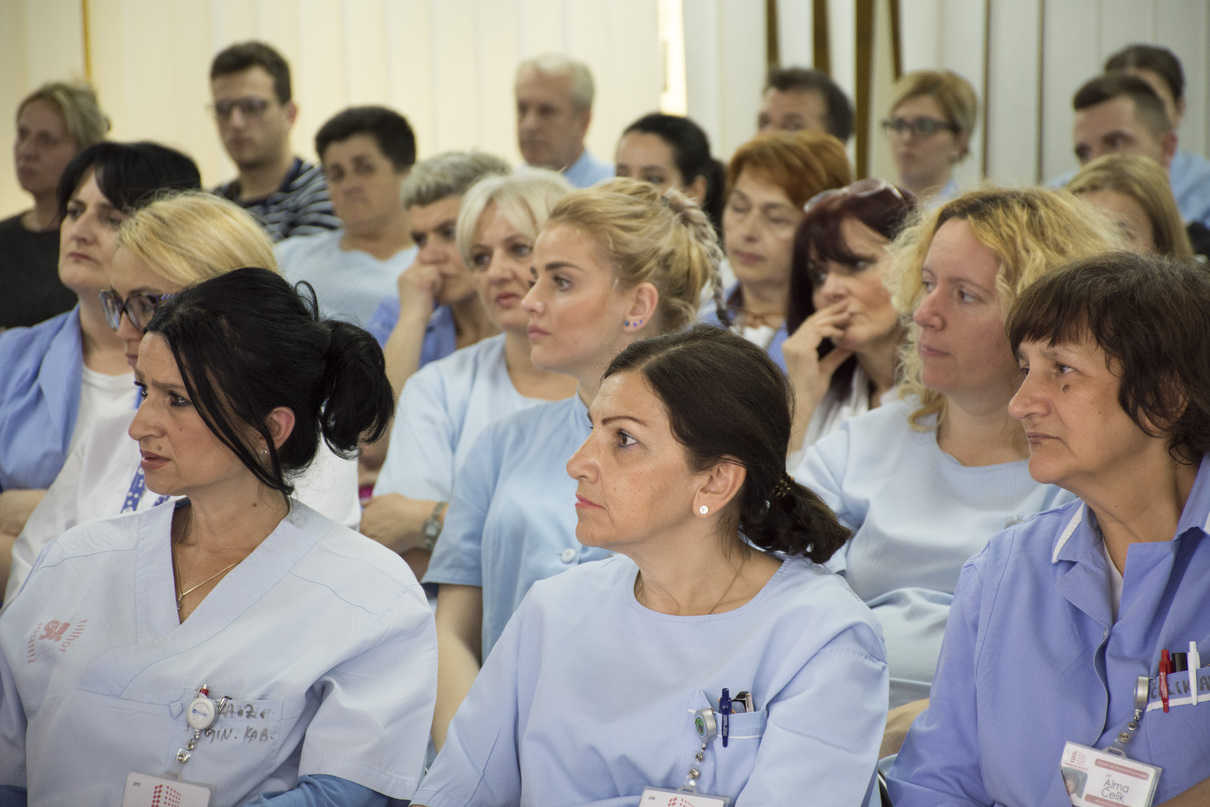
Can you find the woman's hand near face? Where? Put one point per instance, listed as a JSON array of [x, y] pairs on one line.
[[418, 286], [809, 374]]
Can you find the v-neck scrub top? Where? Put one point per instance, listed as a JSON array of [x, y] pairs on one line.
[[322, 639]]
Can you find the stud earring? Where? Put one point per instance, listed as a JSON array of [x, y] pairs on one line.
[[264, 451], [703, 509]]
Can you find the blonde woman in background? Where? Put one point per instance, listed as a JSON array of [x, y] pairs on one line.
[[1133, 190], [925, 481], [615, 263], [54, 123], [932, 118], [447, 403], [172, 243]]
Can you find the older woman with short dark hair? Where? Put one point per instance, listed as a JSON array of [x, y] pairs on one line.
[[1071, 662]]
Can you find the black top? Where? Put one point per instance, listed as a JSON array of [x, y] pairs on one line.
[[30, 291], [1199, 237]]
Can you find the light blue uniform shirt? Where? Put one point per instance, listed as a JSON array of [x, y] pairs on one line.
[[440, 335], [349, 284], [1033, 658], [917, 514], [512, 520], [443, 409], [40, 377], [589, 697], [588, 170], [321, 637]]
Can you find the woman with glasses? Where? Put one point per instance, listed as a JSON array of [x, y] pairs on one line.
[[235, 646], [169, 244], [924, 481], [769, 180], [932, 119], [59, 376], [842, 356]]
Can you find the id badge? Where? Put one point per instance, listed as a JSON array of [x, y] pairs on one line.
[[1098, 778], [659, 797], [145, 790]]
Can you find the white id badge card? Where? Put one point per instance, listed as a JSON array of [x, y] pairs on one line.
[[145, 790], [1097, 778], [659, 797]]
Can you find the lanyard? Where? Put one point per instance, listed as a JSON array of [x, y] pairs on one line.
[[135, 494], [1142, 688]]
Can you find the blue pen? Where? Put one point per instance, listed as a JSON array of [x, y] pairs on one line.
[[724, 712]]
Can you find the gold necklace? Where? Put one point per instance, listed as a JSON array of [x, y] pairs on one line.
[[176, 577], [639, 588]]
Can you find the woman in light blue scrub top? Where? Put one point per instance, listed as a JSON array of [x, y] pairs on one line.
[[714, 654], [446, 404], [615, 263]]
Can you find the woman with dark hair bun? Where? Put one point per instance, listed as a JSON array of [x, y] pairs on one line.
[[845, 333], [671, 151], [311, 669], [712, 653]]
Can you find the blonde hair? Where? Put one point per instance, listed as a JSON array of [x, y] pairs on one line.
[[192, 236], [1142, 179], [77, 103], [954, 93], [665, 240], [525, 197], [1031, 231]]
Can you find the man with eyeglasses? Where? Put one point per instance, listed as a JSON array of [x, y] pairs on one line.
[[250, 84]]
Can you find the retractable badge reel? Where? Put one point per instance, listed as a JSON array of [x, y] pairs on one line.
[[1098, 777], [146, 790], [707, 730]]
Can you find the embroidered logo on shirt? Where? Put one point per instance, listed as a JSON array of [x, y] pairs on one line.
[[53, 635]]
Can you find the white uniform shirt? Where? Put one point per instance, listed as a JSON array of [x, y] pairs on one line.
[[322, 639]]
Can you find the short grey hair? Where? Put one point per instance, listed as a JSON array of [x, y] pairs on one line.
[[556, 64], [447, 174], [525, 197]]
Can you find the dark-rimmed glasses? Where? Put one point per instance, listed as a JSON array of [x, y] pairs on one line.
[[859, 189], [139, 307], [250, 108], [921, 127]]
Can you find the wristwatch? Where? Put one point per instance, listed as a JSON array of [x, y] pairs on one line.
[[432, 526]]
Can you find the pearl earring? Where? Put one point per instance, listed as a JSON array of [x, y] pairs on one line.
[[703, 509], [264, 451]]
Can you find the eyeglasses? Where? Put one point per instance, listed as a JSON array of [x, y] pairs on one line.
[[139, 307], [921, 127], [251, 107], [859, 189]]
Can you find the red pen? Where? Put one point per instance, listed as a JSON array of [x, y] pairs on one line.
[[1165, 668]]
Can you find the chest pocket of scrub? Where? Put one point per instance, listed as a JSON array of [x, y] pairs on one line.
[[724, 771], [1183, 732], [243, 745]]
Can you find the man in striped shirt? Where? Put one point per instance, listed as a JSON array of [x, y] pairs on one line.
[[250, 83]]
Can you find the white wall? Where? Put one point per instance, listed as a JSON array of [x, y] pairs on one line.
[[448, 64]]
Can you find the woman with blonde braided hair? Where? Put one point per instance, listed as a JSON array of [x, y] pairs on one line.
[[614, 263]]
